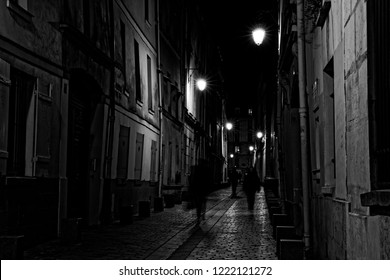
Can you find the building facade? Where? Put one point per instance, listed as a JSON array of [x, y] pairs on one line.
[[99, 110], [345, 50]]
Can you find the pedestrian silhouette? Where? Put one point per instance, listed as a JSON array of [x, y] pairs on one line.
[[251, 186], [234, 181], [199, 183]]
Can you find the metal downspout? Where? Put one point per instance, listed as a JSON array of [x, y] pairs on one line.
[[160, 109], [303, 125]]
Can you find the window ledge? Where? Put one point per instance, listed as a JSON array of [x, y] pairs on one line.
[[3, 154], [328, 189], [376, 198], [19, 11], [5, 81], [140, 103]]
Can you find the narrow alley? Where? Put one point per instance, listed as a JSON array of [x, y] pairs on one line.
[[229, 231], [118, 116]]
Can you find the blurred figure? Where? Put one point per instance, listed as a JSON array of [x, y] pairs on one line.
[[199, 182], [234, 181], [251, 186]]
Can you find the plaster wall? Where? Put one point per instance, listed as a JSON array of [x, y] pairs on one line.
[[35, 34], [356, 93]]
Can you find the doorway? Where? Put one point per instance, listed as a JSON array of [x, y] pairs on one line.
[[84, 93]]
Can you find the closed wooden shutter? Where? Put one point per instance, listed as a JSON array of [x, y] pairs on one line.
[[139, 148]]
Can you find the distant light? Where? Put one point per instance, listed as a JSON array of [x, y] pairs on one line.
[[201, 84], [251, 148], [259, 134], [258, 36], [231, 156], [229, 126]]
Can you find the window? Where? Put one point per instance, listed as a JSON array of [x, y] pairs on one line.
[[21, 94], [250, 112], [123, 152], [170, 162], [379, 89], [177, 156], [150, 94], [21, 3], [87, 18], [19, 8], [378, 57], [137, 65], [185, 162], [329, 133], [174, 101], [146, 2], [123, 45], [153, 151], [139, 149]]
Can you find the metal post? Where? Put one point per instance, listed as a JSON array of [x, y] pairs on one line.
[[303, 125]]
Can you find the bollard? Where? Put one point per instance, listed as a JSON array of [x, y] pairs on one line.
[[284, 232], [280, 220]]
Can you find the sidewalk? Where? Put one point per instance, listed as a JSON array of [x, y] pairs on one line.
[[229, 232]]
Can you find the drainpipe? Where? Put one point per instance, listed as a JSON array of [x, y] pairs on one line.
[[106, 214], [160, 109], [279, 142], [303, 125]]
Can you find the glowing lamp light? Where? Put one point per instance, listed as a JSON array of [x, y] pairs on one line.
[[229, 126], [258, 36], [259, 134], [201, 84], [251, 148], [231, 156]]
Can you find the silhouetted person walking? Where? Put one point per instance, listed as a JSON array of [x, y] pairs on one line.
[[234, 181], [251, 186], [199, 182]]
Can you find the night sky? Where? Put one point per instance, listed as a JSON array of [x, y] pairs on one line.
[[244, 63]]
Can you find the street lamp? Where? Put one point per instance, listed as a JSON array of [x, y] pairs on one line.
[[201, 84], [259, 135], [229, 126], [258, 35], [251, 148], [231, 156]]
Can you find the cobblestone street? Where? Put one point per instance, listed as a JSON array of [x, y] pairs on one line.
[[229, 231]]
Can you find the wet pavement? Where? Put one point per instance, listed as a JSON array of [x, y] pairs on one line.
[[229, 231]]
